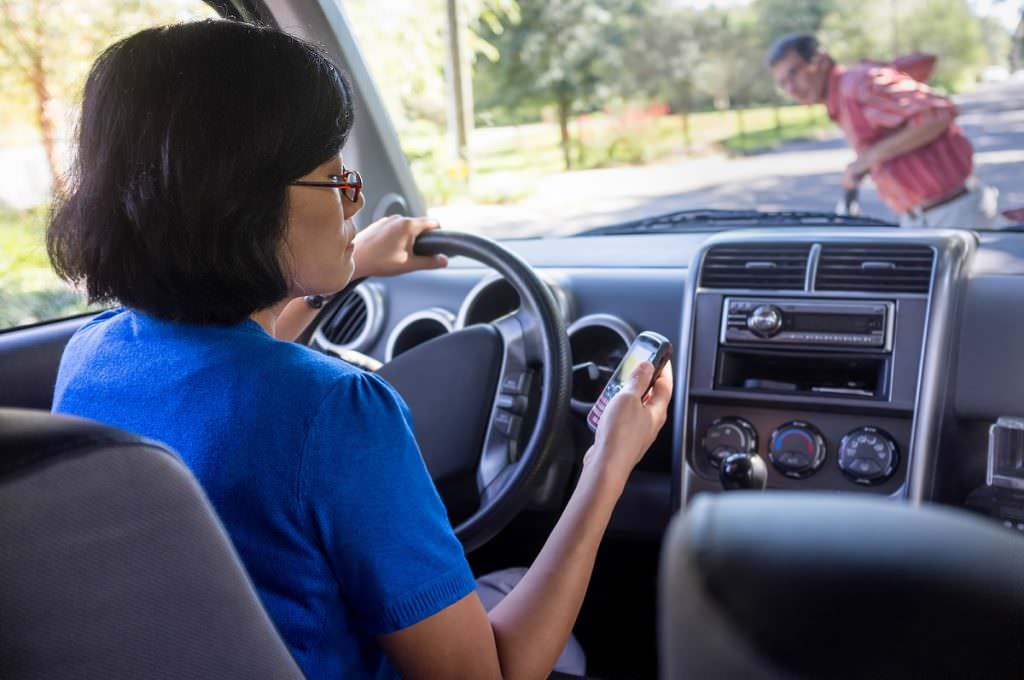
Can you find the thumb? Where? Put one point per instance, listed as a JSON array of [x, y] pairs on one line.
[[640, 379], [429, 261]]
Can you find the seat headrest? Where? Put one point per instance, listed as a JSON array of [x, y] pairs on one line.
[[114, 565], [30, 437], [814, 585]]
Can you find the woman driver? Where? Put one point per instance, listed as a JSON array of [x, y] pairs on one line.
[[209, 190]]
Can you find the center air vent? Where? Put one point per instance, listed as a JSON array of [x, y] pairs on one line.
[[875, 268], [756, 266], [354, 322]]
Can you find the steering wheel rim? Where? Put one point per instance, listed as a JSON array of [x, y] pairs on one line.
[[545, 338]]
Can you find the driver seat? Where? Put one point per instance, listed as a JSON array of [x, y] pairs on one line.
[[114, 565], [805, 585]]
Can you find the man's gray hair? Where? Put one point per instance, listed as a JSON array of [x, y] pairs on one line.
[[804, 44]]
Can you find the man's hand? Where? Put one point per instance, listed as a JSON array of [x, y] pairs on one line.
[[856, 171], [385, 247]]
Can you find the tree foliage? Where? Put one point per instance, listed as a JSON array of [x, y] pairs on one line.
[[566, 53], [47, 47]]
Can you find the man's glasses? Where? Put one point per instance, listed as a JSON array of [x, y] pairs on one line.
[[349, 182], [785, 83]]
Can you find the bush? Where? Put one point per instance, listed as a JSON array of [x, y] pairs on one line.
[[29, 289]]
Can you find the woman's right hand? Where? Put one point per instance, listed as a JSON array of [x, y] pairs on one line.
[[630, 424]]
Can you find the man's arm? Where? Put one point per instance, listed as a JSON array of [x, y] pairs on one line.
[[911, 136], [904, 140]]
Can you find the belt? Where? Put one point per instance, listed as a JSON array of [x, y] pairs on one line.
[[925, 207]]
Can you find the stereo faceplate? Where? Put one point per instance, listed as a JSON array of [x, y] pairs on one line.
[[815, 323]]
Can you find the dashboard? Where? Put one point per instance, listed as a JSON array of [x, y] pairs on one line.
[[867, 361]]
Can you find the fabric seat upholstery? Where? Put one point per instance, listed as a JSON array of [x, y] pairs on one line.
[[114, 565], [804, 585]]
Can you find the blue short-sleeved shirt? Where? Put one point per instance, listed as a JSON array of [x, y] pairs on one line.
[[310, 463]]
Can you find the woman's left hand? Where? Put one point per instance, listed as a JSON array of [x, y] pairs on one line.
[[385, 247]]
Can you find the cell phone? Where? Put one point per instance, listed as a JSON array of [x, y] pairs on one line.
[[648, 346]]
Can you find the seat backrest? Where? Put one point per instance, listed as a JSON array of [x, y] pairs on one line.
[[114, 565], [777, 585]]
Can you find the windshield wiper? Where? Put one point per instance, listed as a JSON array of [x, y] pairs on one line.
[[689, 219]]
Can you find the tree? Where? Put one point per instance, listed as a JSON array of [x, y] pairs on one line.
[[560, 52], [47, 47], [778, 17], [660, 59], [731, 67], [881, 29]]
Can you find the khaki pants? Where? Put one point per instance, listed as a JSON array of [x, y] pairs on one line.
[[974, 210]]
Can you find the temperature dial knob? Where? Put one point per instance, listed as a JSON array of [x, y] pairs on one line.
[[868, 455], [797, 449], [727, 436]]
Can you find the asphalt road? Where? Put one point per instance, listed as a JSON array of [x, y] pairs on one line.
[[798, 176]]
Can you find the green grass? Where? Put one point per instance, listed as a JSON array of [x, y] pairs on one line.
[[761, 137], [29, 290], [508, 163]]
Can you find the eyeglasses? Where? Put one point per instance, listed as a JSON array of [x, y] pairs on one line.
[[786, 82], [349, 182]]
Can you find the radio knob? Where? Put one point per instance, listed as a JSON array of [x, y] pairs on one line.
[[868, 455], [765, 320]]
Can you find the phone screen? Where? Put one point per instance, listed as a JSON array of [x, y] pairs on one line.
[[643, 349]]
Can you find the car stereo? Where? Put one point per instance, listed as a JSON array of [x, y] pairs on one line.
[[819, 323]]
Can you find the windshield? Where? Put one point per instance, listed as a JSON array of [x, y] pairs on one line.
[[551, 117]]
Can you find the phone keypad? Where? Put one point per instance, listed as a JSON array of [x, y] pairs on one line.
[[602, 403]]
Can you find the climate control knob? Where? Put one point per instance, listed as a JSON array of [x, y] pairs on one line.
[[797, 449], [726, 436], [868, 455]]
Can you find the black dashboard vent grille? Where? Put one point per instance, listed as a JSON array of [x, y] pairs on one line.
[[348, 320], [875, 268], [756, 266]]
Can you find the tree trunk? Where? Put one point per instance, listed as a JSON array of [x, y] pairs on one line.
[[563, 124], [37, 76], [687, 89]]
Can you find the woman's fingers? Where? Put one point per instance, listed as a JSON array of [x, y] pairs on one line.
[[662, 391], [418, 225], [640, 380], [428, 261]]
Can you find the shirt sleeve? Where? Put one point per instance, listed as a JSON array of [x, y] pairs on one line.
[[891, 99], [366, 491]]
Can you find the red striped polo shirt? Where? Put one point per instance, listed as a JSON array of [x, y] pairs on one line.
[[870, 102]]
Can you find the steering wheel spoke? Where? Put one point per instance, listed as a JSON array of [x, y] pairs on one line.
[[511, 401], [493, 491], [517, 367]]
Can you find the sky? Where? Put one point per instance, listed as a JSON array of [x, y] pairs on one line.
[[1007, 11]]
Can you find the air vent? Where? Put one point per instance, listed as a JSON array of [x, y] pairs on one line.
[[875, 268], [598, 342], [756, 266], [348, 320], [354, 322]]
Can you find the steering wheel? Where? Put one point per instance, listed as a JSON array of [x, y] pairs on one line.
[[473, 392]]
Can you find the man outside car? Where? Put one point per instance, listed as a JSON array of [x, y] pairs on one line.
[[904, 133]]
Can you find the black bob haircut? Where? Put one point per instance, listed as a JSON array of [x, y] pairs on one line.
[[804, 44], [189, 135]]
